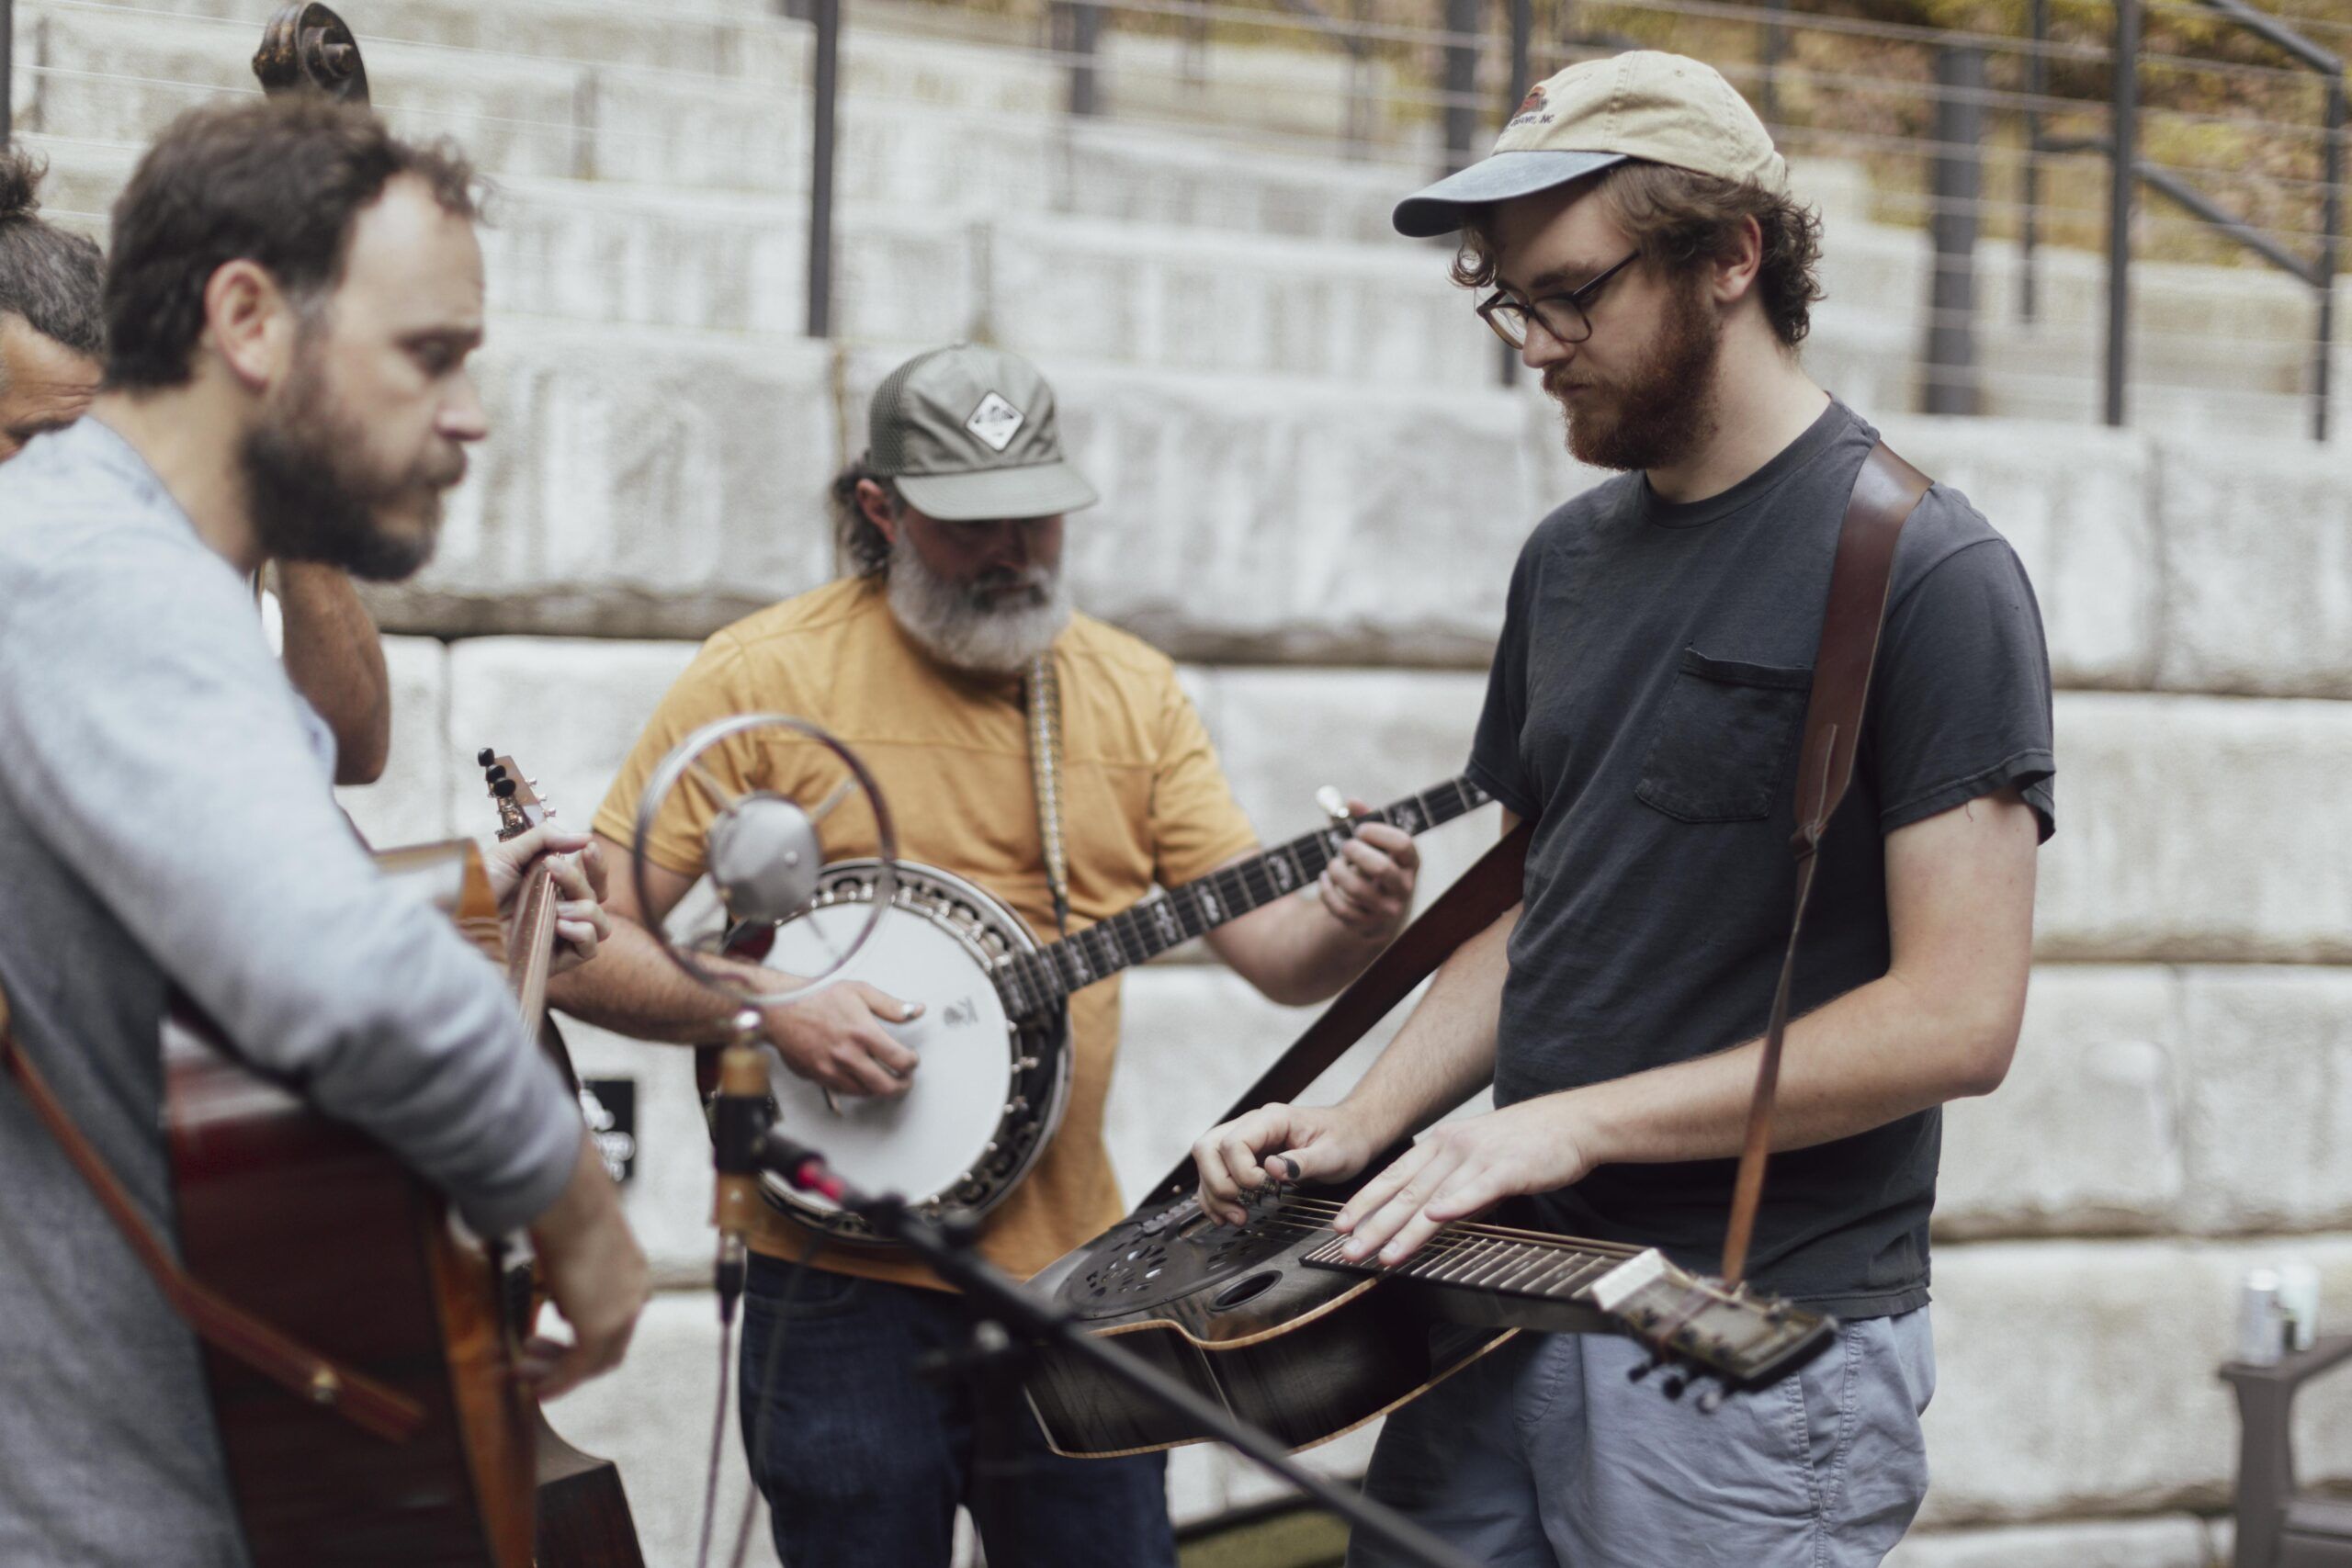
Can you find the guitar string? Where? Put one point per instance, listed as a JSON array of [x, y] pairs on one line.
[[1459, 1229], [1505, 1233], [1456, 1244], [1446, 1252], [1223, 882]]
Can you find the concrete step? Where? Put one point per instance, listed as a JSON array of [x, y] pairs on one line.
[[642, 483], [746, 39], [96, 76], [654, 484], [1052, 285], [926, 125]]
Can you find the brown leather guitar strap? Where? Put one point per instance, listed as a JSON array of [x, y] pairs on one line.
[[219, 1322], [1476, 899], [1885, 493]]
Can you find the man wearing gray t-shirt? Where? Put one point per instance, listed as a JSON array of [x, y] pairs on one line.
[[1642, 251], [290, 302]]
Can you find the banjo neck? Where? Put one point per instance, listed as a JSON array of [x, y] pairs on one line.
[[1033, 982]]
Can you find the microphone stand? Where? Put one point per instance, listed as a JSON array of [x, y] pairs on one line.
[[1011, 1323]]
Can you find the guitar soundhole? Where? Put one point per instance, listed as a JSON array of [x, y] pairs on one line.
[[1248, 1288]]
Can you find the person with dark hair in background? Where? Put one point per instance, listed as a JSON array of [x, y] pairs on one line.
[[1647, 256], [52, 335], [291, 303], [52, 349]]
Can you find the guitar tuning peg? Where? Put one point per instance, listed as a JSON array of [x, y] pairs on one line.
[[502, 788], [1674, 1385], [534, 784], [486, 756], [1710, 1399], [1645, 1368]]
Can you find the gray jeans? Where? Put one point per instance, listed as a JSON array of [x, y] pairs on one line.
[[1542, 1454]]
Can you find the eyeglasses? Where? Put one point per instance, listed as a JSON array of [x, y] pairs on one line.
[[1563, 315]]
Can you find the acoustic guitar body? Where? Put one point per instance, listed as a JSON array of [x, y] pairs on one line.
[[584, 1518], [319, 1230], [1307, 1354], [322, 1231], [1274, 1320]]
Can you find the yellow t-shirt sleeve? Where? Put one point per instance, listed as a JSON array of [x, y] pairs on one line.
[[713, 687], [1196, 825]]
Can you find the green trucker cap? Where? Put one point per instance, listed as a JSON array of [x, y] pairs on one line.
[[968, 434]]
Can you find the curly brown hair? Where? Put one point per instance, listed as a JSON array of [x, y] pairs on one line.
[[278, 181], [1680, 219]]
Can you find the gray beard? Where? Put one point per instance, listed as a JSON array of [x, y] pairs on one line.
[[956, 625]]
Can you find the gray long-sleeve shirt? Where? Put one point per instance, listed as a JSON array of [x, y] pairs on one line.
[[165, 821]]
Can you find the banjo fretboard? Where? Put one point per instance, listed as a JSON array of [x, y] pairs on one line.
[[1032, 982]]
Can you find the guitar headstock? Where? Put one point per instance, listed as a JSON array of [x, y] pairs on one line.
[[1706, 1328], [520, 807]]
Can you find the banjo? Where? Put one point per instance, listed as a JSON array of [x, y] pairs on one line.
[[993, 1028]]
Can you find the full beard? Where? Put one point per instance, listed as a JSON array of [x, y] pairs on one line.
[[313, 496], [997, 625], [1664, 410]]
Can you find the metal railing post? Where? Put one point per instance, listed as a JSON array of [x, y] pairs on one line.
[[8, 68], [1458, 82], [1776, 47], [1958, 184], [826, 78], [2037, 86], [2123, 144], [1085, 32], [1523, 48], [2331, 224]]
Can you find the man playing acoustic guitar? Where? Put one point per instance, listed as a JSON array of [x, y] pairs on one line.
[[291, 303], [52, 347], [1645, 258]]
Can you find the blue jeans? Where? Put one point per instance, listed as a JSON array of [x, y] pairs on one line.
[[1542, 1455], [862, 1462]]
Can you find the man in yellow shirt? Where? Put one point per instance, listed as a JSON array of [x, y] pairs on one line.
[[953, 526]]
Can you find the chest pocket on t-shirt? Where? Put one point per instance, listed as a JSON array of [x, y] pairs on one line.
[[1723, 746]]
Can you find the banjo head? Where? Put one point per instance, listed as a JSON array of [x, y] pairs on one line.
[[989, 1089]]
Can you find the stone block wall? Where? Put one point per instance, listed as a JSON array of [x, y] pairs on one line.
[[1314, 490]]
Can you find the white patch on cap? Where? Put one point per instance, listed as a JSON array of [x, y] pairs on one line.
[[995, 421]]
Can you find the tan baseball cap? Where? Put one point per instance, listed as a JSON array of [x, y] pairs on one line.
[[968, 434], [1660, 109]]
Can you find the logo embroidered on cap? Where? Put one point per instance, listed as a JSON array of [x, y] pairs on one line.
[[1530, 107], [995, 421]]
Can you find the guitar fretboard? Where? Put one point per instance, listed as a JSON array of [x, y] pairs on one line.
[[1542, 1270], [1033, 982]]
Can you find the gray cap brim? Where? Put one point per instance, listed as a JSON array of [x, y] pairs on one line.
[[1504, 176], [1035, 490]]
